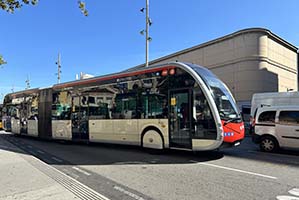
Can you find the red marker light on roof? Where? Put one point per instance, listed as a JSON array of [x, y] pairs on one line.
[[172, 71], [164, 72]]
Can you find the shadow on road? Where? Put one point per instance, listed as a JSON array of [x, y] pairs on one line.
[[250, 151], [69, 153]]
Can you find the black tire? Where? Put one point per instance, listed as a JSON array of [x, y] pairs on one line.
[[268, 144]]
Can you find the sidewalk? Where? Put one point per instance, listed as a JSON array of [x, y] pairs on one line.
[[20, 180]]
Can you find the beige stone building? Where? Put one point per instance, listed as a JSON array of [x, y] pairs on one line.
[[248, 61]]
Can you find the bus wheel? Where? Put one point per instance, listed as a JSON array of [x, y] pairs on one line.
[[152, 139], [268, 144]]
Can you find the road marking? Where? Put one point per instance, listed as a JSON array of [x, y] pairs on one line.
[[56, 159], [135, 196], [29, 146], [82, 171], [130, 163], [39, 151], [284, 197], [84, 187], [238, 170], [294, 191]]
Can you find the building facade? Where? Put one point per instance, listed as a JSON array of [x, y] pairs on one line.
[[248, 61]]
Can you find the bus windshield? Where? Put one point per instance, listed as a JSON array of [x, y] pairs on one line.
[[222, 97]]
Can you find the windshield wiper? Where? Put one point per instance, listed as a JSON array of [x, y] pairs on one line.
[[231, 120]]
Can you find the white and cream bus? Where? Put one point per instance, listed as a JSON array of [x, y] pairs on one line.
[[174, 105]]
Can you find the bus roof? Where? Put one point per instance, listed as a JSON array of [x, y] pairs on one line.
[[21, 93], [121, 74]]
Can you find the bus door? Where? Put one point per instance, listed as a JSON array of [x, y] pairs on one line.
[[180, 115], [79, 118]]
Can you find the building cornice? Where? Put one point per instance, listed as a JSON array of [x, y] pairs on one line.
[[226, 37], [252, 58]]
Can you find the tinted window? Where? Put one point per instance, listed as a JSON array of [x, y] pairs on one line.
[[61, 107], [205, 126], [154, 106], [33, 107], [223, 98], [289, 117], [125, 106], [268, 117]]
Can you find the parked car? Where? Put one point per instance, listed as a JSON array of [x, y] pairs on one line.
[[276, 127]]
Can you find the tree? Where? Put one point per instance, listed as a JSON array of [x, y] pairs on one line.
[[11, 5], [2, 61], [83, 8]]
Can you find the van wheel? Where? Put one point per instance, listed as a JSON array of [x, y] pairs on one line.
[[268, 144]]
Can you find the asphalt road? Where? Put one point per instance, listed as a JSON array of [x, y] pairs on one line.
[[125, 172]]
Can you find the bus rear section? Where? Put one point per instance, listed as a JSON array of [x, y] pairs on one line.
[[1, 126]]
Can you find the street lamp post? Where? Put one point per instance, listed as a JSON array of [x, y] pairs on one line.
[[58, 69], [146, 33], [27, 82], [148, 23], [298, 68]]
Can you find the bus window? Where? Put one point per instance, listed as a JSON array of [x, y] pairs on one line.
[[33, 108], [125, 106], [154, 106], [98, 111], [61, 107], [205, 127]]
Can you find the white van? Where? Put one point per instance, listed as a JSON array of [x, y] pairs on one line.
[[273, 99], [276, 127]]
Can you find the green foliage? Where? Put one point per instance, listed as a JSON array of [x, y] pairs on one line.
[[11, 5], [2, 61], [83, 8]]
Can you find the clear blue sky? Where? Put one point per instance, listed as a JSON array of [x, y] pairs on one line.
[[108, 40]]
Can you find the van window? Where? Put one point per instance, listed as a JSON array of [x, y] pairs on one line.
[[267, 117], [289, 117]]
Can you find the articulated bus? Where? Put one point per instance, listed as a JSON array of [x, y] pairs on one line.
[[174, 105], [1, 126], [17, 110]]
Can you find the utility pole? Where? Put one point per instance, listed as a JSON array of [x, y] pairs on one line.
[[27, 83], [148, 23], [58, 69]]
